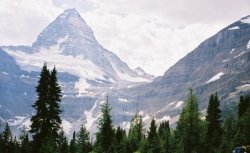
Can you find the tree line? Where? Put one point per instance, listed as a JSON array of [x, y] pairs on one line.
[[192, 134]]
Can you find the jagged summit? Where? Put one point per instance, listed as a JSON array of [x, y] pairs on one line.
[[68, 28], [72, 16], [245, 19]]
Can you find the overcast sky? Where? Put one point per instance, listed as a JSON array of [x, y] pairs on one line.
[[152, 34]]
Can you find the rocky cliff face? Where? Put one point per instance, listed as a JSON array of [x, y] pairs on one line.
[[220, 64], [87, 71]]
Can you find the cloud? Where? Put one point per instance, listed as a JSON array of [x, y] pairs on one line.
[[153, 34], [23, 20]]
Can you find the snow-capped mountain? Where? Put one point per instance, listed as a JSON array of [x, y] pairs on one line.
[[87, 71], [219, 64]]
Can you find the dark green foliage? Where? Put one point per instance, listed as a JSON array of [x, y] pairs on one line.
[[83, 141], [7, 140], [188, 130], [62, 143], [244, 104], [136, 134], [228, 128], [25, 143], [119, 140], [48, 146], [104, 136], [164, 135], [72, 146], [46, 122], [54, 96], [246, 128], [153, 139], [214, 132], [242, 122], [40, 123]]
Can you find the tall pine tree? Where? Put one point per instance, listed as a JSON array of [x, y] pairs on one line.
[[136, 134], [46, 122], [244, 104], [164, 134], [153, 139], [40, 124], [214, 131], [7, 140], [54, 104], [72, 145], [188, 130], [104, 136], [83, 141]]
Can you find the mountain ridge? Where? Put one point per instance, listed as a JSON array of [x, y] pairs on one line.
[[219, 64]]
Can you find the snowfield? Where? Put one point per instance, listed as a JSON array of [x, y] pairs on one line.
[[215, 77]]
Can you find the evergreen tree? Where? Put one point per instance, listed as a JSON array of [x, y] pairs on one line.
[[136, 134], [244, 104], [119, 141], [213, 134], [72, 146], [62, 143], [188, 130], [104, 136], [246, 128], [83, 141], [46, 122], [227, 143], [164, 134], [1, 141], [40, 126], [153, 139], [25, 143], [7, 140], [15, 146], [48, 146], [54, 104]]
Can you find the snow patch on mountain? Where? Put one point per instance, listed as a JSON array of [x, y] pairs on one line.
[[215, 77], [81, 86], [90, 120], [145, 118], [232, 51], [240, 54], [179, 104], [126, 77], [141, 113], [18, 120], [234, 28], [226, 60], [67, 126], [123, 100], [125, 125], [248, 45], [164, 118], [24, 76], [244, 86], [5, 73], [21, 122], [26, 124]]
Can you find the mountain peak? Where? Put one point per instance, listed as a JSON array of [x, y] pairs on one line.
[[70, 13], [68, 24], [245, 19]]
